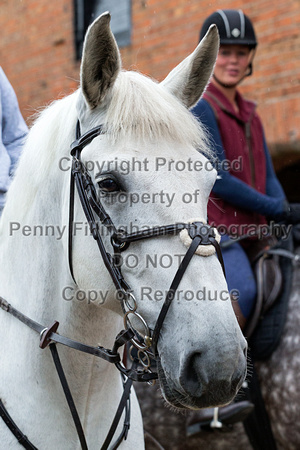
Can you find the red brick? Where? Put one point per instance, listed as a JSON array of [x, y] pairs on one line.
[[37, 51]]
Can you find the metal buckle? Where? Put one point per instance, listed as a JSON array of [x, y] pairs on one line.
[[4, 304]]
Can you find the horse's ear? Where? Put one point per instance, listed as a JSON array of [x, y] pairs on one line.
[[189, 79], [101, 61]]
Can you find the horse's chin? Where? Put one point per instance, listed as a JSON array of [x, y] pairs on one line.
[[179, 399]]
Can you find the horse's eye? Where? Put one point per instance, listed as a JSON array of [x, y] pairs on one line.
[[109, 184]]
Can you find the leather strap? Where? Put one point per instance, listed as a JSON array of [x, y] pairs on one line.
[[86, 138], [82, 180], [46, 336], [197, 239], [21, 438], [70, 228], [100, 352], [219, 254], [280, 252], [123, 402], [68, 396], [171, 293], [88, 198]]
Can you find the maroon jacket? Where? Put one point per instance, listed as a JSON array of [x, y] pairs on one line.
[[242, 135]]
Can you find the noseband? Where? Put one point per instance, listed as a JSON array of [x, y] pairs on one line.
[[200, 234]]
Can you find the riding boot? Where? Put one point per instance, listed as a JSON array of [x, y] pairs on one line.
[[210, 418]]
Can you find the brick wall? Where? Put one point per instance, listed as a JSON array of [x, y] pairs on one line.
[[36, 50], [37, 54]]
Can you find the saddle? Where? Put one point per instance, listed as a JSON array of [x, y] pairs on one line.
[[273, 267]]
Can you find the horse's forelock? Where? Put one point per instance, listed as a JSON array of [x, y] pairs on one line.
[[141, 108]]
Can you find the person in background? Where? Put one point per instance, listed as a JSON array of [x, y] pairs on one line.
[[13, 132], [247, 192]]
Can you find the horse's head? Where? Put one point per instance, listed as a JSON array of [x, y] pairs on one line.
[[148, 172]]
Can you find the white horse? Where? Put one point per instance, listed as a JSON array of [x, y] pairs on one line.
[[146, 171]]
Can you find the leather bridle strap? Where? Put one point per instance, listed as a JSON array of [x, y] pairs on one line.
[[119, 239], [21, 438], [76, 148], [70, 228], [124, 403], [86, 192], [48, 334], [172, 291], [197, 239]]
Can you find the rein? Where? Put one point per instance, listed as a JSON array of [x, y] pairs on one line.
[[200, 234]]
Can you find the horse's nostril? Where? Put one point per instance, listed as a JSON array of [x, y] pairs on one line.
[[201, 379], [244, 348], [190, 378]]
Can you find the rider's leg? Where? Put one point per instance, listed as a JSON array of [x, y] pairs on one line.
[[240, 280]]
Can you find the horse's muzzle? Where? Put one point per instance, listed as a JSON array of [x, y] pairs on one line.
[[205, 384]]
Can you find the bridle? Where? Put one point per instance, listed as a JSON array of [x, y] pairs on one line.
[[200, 234]]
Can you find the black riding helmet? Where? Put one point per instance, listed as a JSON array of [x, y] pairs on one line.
[[233, 25], [234, 28]]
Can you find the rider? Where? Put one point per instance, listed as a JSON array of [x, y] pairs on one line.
[[247, 193]]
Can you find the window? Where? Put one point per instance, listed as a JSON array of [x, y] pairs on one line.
[[87, 10]]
